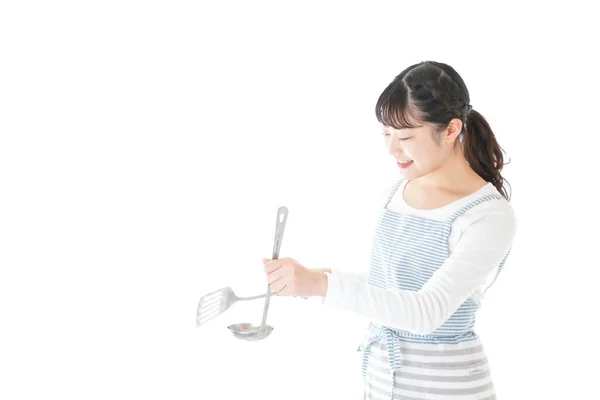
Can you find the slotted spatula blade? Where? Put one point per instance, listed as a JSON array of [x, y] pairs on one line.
[[216, 303], [213, 304]]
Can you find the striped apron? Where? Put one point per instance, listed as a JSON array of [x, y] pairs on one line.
[[449, 363]]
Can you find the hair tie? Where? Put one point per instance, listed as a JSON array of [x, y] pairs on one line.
[[468, 109]]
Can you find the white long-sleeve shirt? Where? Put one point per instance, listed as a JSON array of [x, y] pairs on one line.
[[478, 241]]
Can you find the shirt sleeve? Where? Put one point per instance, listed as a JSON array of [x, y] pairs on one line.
[[477, 254]]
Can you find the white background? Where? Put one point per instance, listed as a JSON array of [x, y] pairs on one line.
[[146, 146]]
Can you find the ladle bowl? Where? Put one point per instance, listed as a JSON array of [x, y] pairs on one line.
[[247, 331]]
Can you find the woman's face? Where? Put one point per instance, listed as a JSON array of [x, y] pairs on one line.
[[417, 147]]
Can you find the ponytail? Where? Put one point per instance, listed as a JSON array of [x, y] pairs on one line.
[[482, 151]]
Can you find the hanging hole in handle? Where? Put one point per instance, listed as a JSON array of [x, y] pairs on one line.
[[281, 217]]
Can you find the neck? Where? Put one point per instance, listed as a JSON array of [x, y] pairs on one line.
[[453, 173]]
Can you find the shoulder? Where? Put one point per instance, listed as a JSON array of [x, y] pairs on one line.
[[490, 211], [490, 202]]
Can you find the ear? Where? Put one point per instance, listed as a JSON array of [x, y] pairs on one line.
[[452, 131]]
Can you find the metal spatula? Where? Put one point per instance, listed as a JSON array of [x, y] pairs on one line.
[[216, 303]]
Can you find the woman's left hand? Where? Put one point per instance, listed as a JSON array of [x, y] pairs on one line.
[[288, 277]]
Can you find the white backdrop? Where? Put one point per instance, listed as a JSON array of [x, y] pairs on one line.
[[146, 146]]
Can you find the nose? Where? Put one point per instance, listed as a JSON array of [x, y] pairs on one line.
[[393, 145]]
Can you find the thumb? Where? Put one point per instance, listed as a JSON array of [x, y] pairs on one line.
[[265, 260]]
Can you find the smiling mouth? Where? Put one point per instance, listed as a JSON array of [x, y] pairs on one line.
[[404, 164]]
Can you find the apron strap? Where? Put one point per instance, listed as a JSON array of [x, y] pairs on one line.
[[499, 269], [393, 192], [467, 208], [473, 204]]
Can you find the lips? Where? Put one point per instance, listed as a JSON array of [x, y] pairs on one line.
[[404, 164]]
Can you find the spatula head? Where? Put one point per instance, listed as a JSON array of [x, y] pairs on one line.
[[213, 304]]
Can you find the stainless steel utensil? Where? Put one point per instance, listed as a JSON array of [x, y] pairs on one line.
[[247, 331], [216, 303]]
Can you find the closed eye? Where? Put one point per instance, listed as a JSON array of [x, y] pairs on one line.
[[387, 134]]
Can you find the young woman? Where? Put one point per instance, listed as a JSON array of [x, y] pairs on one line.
[[442, 237]]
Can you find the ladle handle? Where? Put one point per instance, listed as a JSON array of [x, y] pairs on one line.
[[282, 214]]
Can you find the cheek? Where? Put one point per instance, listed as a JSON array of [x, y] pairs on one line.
[[416, 153], [424, 153]]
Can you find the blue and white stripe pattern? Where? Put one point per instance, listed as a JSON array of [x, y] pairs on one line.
[[405, 253]]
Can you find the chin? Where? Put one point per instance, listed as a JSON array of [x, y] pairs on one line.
[[408, 173]]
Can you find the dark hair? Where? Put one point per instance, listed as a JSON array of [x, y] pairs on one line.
[[434, 92]]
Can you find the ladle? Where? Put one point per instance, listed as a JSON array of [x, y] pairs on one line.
[[247, 331]]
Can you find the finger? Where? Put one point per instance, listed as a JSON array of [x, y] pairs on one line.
[[273, 265], [277, 287], [274, 277], [285, 291]]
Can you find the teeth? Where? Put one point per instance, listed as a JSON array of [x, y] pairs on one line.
[[404, 162]]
